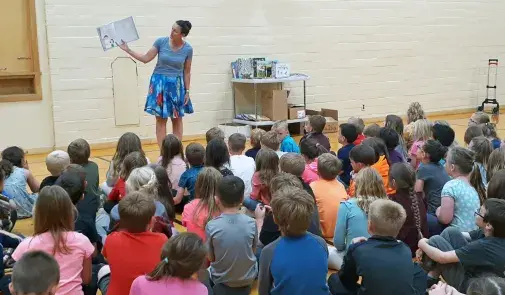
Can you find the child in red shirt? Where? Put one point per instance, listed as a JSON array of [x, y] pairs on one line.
[[360, 127], [131, 161], [133, 250]]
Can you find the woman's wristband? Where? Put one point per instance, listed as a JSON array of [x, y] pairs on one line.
[[187, 91]]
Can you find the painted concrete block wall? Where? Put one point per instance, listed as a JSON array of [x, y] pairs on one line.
[[382, 54]]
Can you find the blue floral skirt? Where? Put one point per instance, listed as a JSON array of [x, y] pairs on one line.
[[166, 97]]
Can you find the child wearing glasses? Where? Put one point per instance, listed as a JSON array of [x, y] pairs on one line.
[[460, 256]]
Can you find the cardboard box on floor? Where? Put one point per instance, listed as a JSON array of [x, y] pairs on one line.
[[331, 119], [274, 104]]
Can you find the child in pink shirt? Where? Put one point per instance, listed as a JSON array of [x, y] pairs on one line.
[[54, 210], [267, 166], [421, 133], [310, 150], [181, 257], [203, 208], [172, 159]]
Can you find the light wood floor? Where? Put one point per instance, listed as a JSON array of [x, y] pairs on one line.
[[102, 157]]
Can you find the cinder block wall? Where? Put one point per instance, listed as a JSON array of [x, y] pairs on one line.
[[380, 54]]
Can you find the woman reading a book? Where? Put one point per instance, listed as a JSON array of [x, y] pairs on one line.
[[168, 95]]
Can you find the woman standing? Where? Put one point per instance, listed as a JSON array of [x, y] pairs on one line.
[[168, 95]]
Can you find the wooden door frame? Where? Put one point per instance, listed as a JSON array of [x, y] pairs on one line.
[[34, 49]]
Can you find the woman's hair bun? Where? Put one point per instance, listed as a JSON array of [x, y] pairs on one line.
[[185, 26], [188, 24]]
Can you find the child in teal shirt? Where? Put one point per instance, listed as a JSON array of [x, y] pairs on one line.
[[288, 144]]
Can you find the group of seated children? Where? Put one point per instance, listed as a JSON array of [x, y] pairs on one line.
[[281, 213]]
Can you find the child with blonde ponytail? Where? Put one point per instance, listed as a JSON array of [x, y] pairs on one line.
[[142, 179]]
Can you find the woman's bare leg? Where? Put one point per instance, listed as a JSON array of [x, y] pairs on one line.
[[161, 130], [177, 127]]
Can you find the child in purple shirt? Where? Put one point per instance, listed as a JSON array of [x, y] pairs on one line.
[[181, 257], [392, 139]]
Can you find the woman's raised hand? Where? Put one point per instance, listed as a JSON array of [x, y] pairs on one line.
[[123, 45]]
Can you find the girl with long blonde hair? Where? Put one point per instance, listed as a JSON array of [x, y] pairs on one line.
[[421, 132], [352, 218], [203, 208]]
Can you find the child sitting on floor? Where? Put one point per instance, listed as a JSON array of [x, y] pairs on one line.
[[361, 156], [383, 163], [232, 238], [145, 179], [288, 144], [391, 140], [458, 259], [27, 278], [134, 250], [79, 152], [396, 123], [281, 274], [495, 163], [348, 134], [267, 229], [431, 178], [478, 118], [383, 263], [460, 196], [214, 132], [421, 133], [163, 194], [360, 127], [482, 120], [403, 178], [372, 130], [267, 166], [8, 214], [314, 130], [195, 154], [198, 212], [479, 286], [56, 162], [242, 166], [17, 178], [255, 140], [218, 156], [181, 257], [131, 161], [172, 159], [472, 132], [489, 130], [329, 192], [444, 134], [127, 143], [271, 140], [310, 150], [482, 149], [352, 214], [53, 234], [74, 184]]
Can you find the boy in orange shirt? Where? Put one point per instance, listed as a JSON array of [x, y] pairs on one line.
[[361, 156], [329, 192]]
